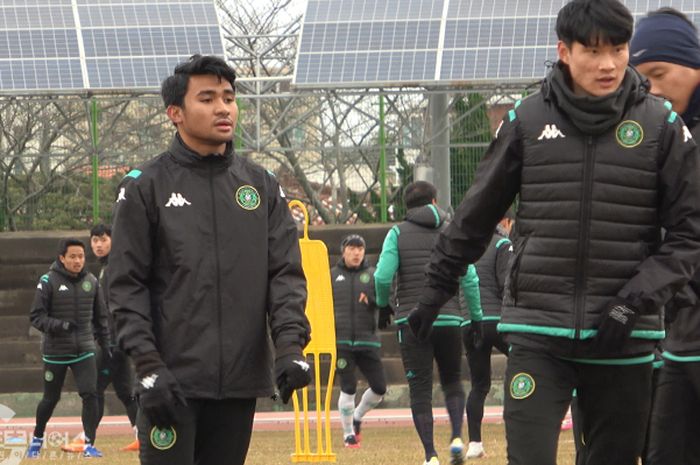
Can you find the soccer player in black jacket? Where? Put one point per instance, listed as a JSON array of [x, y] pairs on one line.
[[205, 269], [600, 167], [665, 48]]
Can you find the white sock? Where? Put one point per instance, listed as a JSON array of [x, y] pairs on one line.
[[346, 407], [370, 399], [136, 432]]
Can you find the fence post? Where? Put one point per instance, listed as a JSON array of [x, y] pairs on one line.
[[95, 161]]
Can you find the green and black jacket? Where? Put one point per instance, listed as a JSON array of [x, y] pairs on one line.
[[405, 253], [61, 297], [588, 226]]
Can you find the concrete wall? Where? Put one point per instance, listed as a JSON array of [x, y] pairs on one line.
[[25, 256]]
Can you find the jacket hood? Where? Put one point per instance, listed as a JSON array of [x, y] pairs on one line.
[[428, 216], [593, 115], [188, 157], [58, 267]]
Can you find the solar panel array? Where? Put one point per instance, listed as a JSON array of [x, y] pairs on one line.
[[384, 43], [101, 44]]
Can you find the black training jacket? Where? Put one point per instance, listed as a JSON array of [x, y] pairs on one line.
[[205, 267], [61, 297], [355, 322], [589, 221], [683, 316]]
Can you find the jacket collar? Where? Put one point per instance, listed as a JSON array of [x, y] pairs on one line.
[[188, 157], [58, 267]]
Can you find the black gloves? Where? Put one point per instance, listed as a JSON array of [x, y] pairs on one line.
[[385, 314], [157, 390], [291, 372], [421, 320], [473, 336], [615, 326]]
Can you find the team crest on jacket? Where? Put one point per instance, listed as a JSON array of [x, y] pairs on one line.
[[87, 286], [364, 278], [342, 363], [163, 439], [522, 386], [247, 197], [629, 134]]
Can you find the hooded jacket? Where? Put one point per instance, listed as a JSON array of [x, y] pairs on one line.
[[61, 297], [205, 268], [405, 253], [591, 208], [355, 322]]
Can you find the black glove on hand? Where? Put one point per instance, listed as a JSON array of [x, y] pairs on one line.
[[291, 372], [385, 314], [615, 326], [473, 336], [421, 319], [157, 390]]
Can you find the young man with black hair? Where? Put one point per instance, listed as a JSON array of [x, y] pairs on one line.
[[205, 270], [600, 167], [665, 48], [492, 269], [405, 251], [69, 311], [357, 342], [113, 366]]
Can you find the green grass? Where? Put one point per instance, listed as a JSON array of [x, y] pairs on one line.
[[380, 446]]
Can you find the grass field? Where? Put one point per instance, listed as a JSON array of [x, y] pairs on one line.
[[380, 446]]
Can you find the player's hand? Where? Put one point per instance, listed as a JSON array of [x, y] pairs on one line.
[[473, 336], [67, 326], [291, 372], [385, 314], [421, 319], [615, 326], [157, 390], [363, 298]]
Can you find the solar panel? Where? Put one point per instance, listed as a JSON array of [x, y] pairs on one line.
[[101, 44], [388, 43]]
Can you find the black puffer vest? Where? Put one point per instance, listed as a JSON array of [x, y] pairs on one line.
[[588, 216], [72, 299], [416, 239], [355, 322]]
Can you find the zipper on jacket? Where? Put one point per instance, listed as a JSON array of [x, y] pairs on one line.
[[76, 316], [583, 236], [218, 279], [352, 305]]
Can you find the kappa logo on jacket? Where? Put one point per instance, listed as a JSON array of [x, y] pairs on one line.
[[177, 200], [340, 278], [122, 194], [551, 131], [62, 287], [687, 135]]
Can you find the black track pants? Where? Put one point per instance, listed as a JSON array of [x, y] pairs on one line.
[[369, 361], [674, 433], [480, 370], [614, 401], [85, 375], [208, 432], [119, 372]]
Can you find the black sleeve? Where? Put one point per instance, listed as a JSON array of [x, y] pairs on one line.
[[286, 281], [503, 254], [667, 270], [496, 183], [129, 272], [99, 318], [39, 313]]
